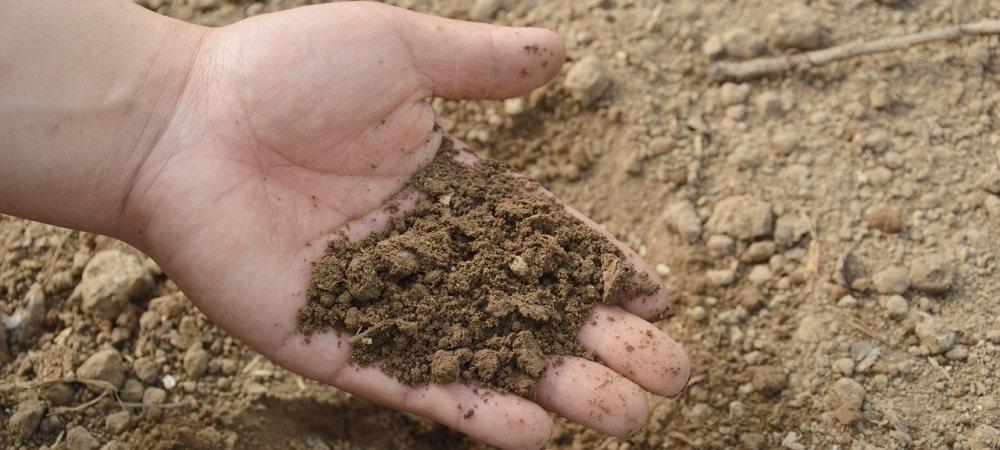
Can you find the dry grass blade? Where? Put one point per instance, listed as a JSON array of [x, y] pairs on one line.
[[760, 67]]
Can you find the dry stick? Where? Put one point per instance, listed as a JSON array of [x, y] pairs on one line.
[[771, 65], [106, 389]]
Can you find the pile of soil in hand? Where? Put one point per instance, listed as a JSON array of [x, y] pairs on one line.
[[481, 281]]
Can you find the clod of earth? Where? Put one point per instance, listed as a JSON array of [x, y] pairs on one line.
[[483, 287]]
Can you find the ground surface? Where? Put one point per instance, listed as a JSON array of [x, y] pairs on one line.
[[830, 236]]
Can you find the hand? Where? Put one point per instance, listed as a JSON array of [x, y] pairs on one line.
[[291, 126]]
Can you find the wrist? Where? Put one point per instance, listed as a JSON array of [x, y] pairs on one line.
[[158, 86]]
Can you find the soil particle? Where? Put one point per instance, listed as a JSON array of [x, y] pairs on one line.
[[937, 336], [849, 396], [145, 369], [119, 421], [742, 217], [154, 396], [106, 365], [984, 437], [196, 361], [733, 94], [932, 273], [26, 418], [683, 219], [897, 306], [132, 391], [721, 277], [885, 218], [440, 297], [769, 380], [5, 355], [759, 252], [484, 10], [720, 245], [59, 394], [891, 280], [78, 438], [111, 280], [587, 80], [769, 104], [795, 26], [741, 43]]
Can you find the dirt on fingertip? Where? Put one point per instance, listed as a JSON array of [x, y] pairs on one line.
[[483, 280]]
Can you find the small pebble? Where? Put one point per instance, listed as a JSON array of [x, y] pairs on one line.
[[891, 280], [586, 80], [897, 306], [721, 277], [885, 218]]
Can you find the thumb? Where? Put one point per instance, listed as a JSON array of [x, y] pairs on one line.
[[467, 60]]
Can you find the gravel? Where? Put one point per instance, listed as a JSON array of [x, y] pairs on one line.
[[78, 438], [937, 336], [891, 280], [741, 217], [26, 418], [932, 273], [106, 365], [897, 306], [111, 280], [587, 80], [683, 219]]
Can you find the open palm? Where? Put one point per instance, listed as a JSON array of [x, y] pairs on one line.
[[299, 124]]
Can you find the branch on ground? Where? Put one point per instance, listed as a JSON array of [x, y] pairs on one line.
[[759, 67]]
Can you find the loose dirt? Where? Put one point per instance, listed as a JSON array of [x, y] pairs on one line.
[[482, 280]]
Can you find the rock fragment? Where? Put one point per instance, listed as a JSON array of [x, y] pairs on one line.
[[587, 81], [25, 420], [742, 43], [683, 219], [885, 218], [937, 336], [741, 217], [932, 273], [794, 27], [105, 365], [195, 361], [78, 438], [789, 229], [111, 280], [484, 10], [768, 380], [849, 397], [891, 280], [984, 437]]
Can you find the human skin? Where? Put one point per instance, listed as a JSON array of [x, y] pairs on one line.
[[232, 155]]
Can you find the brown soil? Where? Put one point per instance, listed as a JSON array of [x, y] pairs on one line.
[[482, 280]]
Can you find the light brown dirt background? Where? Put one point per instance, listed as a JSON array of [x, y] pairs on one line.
[[784, 355]]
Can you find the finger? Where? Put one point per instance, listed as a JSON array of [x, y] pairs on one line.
[[645, 306], [636, 349], [501, 420], [592, 395], [467, 60]]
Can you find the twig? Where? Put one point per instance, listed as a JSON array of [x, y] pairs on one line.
[[105, 387], [771, 65], [863, 329], [38, 384], [683, 438], [84, 405], [361, 337], [172, 405]]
